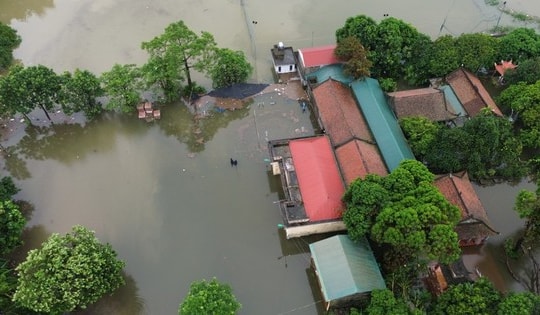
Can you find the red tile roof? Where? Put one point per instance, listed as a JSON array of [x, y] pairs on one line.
[[470, 92], [426, 102], [339, 114], [505, 65], [358, 158], [318, 176], [318, 56], [458, 190]]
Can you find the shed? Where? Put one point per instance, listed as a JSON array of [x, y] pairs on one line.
[[346, 271], [382, 122], [283, 59]]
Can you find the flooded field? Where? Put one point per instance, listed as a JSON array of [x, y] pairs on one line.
[[164, 193]]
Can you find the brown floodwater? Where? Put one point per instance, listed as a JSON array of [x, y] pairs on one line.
[[164, 193]]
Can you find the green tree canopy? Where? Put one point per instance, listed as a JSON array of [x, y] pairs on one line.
[[209, 297], [528, 71], [524, 100], [7, 188], [355, 55], [383, 302], [229, 67], [523, 303], [520, 44], [478, 298], [477, 51], [405, 211], [9, 40], [80, 91], [174, 53], [25, 88], [392, 44], [12, 224], [444, 56], [68, 272], [122, 85]]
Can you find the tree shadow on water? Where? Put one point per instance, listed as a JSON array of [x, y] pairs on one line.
[[196, 130], [124, 301]]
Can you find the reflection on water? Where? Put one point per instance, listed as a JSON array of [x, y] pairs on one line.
[[124, 301], [22, 9]]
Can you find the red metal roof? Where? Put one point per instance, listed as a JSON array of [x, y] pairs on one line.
[[320, 184], [318, 56]]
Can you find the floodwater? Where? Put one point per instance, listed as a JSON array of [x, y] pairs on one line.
[[163, 193]]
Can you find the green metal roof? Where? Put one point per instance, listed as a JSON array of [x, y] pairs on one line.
[[453, 100], [332, 71], [382, 122], [345, 268]]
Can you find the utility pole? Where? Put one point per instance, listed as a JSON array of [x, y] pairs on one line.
[[500, 15]]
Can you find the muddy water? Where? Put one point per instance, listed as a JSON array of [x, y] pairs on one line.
[[164, 194]]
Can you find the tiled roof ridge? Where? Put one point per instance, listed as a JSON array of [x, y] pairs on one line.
[[469, 214]]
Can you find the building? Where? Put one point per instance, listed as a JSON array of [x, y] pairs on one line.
[[311, 59], [355, 148], [474, 227], [382, 122], [427, 102], [346, 271], [283, 59], [312, 185], [471, 93]]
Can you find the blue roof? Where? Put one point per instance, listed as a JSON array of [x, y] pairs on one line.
[[345, 268], [382, 122], [453, 100], [332, 71]]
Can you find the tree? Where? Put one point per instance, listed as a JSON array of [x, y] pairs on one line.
[[476, 51], [363, 27], [393, 47], [67, 273], [355, 55], [12, 224], [174, 53], [528, 71], [9, 40], [7, 188], [229, 67], [523, 99], [520, 44], [405, 212], [421, 133], [384, 302], [523, 303], [444, 56], [478, 298], [25, 88], [80, 91], [209, 298], [122, 84]]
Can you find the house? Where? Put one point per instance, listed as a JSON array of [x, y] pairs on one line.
[[426, 102], [474, 227], [311, 59], [346, 271], [355, 148], [471, 93], [283, 59], [439, 276], [312, 185], [382, 122]]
